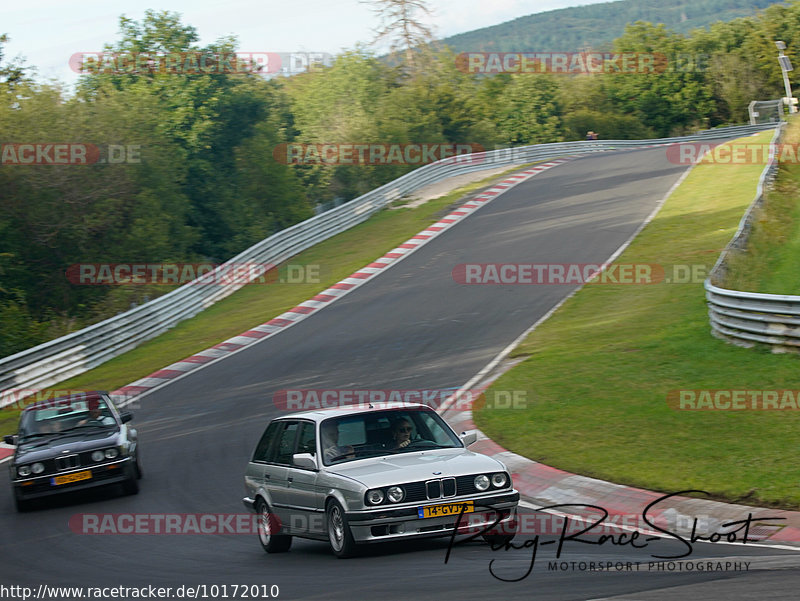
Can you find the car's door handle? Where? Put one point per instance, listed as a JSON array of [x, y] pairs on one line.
[[290, 479]]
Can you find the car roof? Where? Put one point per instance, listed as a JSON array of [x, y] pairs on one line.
[[319, 415], [63, 401]]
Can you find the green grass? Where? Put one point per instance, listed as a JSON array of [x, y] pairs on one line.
[[771, 261], [598, 372], [337, 258]]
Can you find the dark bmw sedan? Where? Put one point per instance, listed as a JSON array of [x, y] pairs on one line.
[[72, 443]]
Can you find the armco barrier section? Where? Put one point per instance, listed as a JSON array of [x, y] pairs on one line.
[[745, 318], [75, 353]]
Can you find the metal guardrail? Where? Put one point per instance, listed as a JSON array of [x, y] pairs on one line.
[[75, 353], [747, 318]]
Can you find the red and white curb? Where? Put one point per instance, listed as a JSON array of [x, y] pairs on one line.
[[325, 298], [542, 486], [6, 451]]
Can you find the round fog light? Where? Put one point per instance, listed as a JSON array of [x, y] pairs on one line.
[[481, 482]]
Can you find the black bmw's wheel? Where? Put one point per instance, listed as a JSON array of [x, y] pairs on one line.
[[267, 524], [131, 484], [339, 534], [21, 504]]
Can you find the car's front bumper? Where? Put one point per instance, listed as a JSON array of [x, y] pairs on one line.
[[112, 472], [493, 514]]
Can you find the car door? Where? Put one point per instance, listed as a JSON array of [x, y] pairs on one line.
[[305, 513], [276, 472], [262, 474]]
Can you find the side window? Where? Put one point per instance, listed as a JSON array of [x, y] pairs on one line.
[[308, 439], [286, 442], [262, 450]]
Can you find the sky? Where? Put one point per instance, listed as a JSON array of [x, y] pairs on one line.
[[47, 32]]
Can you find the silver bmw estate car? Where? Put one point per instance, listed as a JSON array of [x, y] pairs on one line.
[[365, 474]]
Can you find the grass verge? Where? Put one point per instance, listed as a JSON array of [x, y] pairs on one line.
[[771, 261], [598, 373], [336, 257]]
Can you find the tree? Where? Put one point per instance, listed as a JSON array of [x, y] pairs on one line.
[[402, 26]]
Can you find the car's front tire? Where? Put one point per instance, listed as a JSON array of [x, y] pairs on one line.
[[267, 522], [21, 504], [339, 535], [130, 485], [505, 534]]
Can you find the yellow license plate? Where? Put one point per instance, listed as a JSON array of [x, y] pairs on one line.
[[437, 511], [69, 478]]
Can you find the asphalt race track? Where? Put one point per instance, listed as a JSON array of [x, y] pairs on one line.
[[413, 327]]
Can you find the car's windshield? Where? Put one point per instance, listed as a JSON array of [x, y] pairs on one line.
[[57, 418], [387, 432]]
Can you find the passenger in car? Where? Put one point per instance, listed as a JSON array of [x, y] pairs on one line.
[[330, 443]]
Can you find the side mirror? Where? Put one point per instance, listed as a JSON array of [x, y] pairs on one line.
[[304, 460], [469, 437], [10, 439], [125, 417]]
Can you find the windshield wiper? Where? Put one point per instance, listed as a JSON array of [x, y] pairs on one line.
[[37, 435], [85, 426]]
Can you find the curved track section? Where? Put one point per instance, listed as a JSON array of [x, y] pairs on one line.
[[413, 327]]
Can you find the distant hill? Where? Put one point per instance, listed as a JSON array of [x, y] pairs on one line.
[[595, 26]]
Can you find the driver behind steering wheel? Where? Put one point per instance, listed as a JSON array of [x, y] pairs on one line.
[[401, 433]]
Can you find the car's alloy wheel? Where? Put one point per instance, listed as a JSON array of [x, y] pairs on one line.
[[267, 522], [339, 534]]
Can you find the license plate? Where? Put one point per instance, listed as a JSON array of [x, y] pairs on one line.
[[69, 478], [437, 511]]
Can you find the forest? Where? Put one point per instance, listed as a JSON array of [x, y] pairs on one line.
[[185, 167]]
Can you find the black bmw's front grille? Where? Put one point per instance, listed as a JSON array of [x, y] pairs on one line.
[[68, 462]]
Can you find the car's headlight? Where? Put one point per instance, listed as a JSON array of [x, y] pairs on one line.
[[111, 453], [98, 456], [375, 497], [499, 480], [395, 494], [37, 468], [481, 482], [24, 470]]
